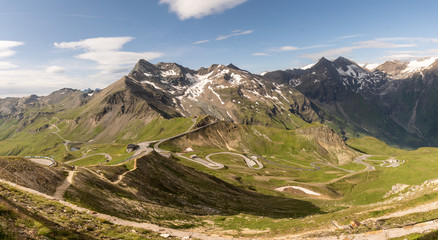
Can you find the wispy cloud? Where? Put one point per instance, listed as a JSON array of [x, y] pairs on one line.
[[409, 55], [106, 52], [6, 51], [409, 39], [234, 34], [287, 48], [7, 65], [260, 54], [55, 70], [350, 36], [201, 42], [6, 48], [186, 9], [377, 44], [20, 82]]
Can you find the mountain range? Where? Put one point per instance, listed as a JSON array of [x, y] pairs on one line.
[[395, 102], [218, 148]]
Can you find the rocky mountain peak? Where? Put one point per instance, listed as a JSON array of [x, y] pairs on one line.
[[322, 62], [401, 70], [341, 61], [145, 67], [392, 68], [232, 66]]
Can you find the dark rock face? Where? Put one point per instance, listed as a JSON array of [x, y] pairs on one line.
[[395, 103]]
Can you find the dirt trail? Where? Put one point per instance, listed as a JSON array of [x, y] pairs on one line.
[[59, 193], [121, 176], [424, 227], [381, 234], [422, 208], [119, 221]]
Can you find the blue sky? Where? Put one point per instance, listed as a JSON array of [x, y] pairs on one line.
[[49, 44]]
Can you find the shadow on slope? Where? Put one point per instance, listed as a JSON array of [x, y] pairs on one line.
[[29, 174], [163, 188]]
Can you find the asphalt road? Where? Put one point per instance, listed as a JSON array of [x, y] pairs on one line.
[[107, 156], [251, 163]]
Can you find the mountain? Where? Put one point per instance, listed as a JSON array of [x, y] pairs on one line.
[[225, 92], [221, 152], [395, 102]]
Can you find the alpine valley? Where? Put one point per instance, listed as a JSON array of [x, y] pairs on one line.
[[336, 150]]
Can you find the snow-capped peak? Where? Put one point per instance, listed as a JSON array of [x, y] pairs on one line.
[[419, 65], [308, 66], [370, 66]]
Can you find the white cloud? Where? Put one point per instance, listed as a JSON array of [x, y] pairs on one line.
[[186, 9], [97, 44], [328, 53], [288, 48], [7, 65], [233, 34], [409, 39], [55, 70], [5, 48], [201, 42], [404, 56], [410, 55], [106, 52], [350, 36], [377, 44], [15, 83], [260, 54]]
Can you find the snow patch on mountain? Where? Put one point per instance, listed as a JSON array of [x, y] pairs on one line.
[[370, 66], [169, 73], [295, 82], [237, 79], [151, 83], [195, 90], [215, 93], [419, 65], [353, 71], [308, 66]]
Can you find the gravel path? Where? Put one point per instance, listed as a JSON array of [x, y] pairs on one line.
[[119, 221], [59, 193], [424, 227]]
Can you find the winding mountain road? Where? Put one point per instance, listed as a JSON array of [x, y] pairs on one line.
[[360, 160], [249, 162], [107, 156], [207, 163]]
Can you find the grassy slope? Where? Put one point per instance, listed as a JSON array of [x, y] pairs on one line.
[[29, 174], [165, 192], [420, 165], [51, 220]]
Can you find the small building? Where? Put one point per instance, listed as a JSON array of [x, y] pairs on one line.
[[132, 147]]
